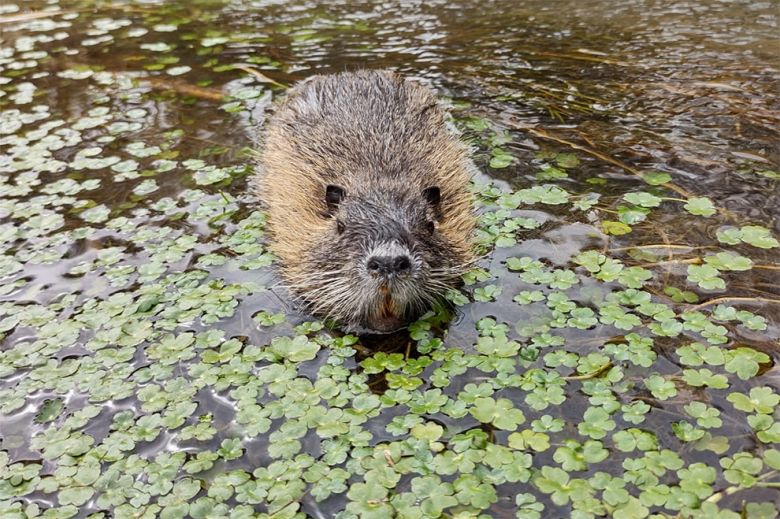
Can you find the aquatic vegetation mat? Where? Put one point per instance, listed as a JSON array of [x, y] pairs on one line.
[[613, 355]]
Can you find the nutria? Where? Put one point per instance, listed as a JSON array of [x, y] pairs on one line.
[[365, 184]]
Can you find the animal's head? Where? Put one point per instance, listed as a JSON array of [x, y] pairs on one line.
[[382, 260]]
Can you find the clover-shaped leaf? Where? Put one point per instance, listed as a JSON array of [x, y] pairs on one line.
[[298, 349], [706, 276], [700, 206], [642, 199], [501, 413]]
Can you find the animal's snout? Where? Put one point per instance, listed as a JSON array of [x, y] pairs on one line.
[[387, 265]]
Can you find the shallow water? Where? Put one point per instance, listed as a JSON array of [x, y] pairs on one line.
[[104, 281]]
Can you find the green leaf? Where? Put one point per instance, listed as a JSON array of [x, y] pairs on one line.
[[761, 400], [642, 199], [487, 293], [758, 236], [700, 206], [596, 423], [728, 261], [498, 346], [470, 491], [368, 500], [230, 449], [615, 228], [500, 159], [264, 318], [435, 495], [501, 413], [656, 178], [526, 297], [477, 124], [706, 277], [745, 362], [661, 388], [567, 160], [631, 215], [76, 496], [49, 410], [528, 507], [755, 235], [680, 296], [298, 349], [528, 439]]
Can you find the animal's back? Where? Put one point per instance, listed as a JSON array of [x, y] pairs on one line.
[[365, 124]]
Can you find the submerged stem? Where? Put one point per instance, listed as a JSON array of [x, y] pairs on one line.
[[736, 299], [606, 158], [659, 246], [592, 374]]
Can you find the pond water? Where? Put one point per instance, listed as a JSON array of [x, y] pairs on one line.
[[615, 353]]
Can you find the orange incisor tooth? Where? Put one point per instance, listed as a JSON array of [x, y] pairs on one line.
[[388, 309]]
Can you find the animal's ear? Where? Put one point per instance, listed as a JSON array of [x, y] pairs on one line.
[[333, 195], [432, 195]]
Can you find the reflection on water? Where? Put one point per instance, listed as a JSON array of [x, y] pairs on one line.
[[685, 88]]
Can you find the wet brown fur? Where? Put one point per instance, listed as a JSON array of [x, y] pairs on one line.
[[367, 130]]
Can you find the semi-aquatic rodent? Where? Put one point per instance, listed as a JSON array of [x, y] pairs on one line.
[[365, 185]]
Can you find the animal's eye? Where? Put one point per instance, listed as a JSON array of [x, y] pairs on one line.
[[339, 226], [430, 226]]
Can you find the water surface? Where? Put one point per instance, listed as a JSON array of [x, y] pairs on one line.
[[146, 365]]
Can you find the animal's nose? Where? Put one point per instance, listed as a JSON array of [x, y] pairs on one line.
[[386, 265]]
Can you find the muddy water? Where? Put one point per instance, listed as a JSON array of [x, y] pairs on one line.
[[686, 88]]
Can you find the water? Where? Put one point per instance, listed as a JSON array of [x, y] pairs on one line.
[[685, 88]]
